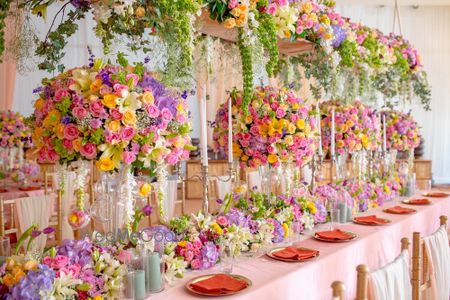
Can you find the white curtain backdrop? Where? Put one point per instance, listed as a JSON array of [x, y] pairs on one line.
[[428, 29]]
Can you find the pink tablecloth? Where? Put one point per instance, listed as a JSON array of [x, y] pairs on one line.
[[15, 193], [375, 247]]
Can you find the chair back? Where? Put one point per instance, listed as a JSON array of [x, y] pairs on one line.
[[7, 208], [338, 288], [56, 221], [431, 263], [395, 271]]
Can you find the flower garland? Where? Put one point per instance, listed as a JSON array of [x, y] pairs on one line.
[[161, 173], [278, 129], [128, 184]]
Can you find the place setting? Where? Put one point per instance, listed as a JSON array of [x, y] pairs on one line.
[[216, 285], [399, 210], [371, 220], [417, 201], [334, 234]]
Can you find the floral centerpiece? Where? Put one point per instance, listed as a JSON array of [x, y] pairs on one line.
[[279, 129], [13, 130], [119, 116], [26, 172], [402, 132], [74, 270]]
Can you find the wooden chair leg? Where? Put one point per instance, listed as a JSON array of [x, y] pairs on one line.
[[415, 280]]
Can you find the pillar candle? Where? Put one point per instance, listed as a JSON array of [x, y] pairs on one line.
[[153, 270], [230, 132], [342, 212], [139, 285], [203, 130], [384, 132], [319, 128], [332, 134]]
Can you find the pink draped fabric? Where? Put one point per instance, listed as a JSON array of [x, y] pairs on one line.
[[375, 246], [8, 70]]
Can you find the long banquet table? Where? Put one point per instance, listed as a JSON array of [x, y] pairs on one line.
[[375, 247]]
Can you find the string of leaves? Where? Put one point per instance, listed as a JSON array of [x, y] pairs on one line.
[[268, 36], [247, 70], [4, 9]]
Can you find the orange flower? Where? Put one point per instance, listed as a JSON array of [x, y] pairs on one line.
[[148, 98], [140, 12], [39, 104], [109, 100], [129, 118], [77, 144], [59, 130], [114, 126], [230, 23], [96, 85], [52, 119], [272, 158]]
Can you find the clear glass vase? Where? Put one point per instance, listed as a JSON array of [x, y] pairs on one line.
[[341, 166], [270, 180], [360, 164]]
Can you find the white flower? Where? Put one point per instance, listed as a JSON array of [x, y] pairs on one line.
[[308, 221], [175, 267], [101, 12], [64, 287]]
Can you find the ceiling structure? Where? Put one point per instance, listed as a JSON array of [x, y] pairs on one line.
[[400, 2]]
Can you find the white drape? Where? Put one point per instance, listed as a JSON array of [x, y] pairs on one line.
[[428, 29]]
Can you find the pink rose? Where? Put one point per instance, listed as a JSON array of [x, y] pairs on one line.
[[189, 255], [70, 132], [127, 133], [172, 159], [280, 113], [52, 155], [61, 94], [97, 108], [89, 150], [48, 261], [115, 114], [128, 157], [60, 261], [104, 90], [196, 264], [67, 144], [134, 77], [146, 149], [166, 114], [272, 8], [152, 111], [95, 123], [79, 112], [222, 221], [232, 4], [120, 89]]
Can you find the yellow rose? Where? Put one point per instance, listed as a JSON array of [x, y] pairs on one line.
[[114, 126], [236, 12], [244, 157], [291, 128], [8, 280], [272, 158], [77, 144], [109, 100], [105, 164], [301, 124], [307, 7], [324, 19], [145, 189], [237, 151], [148, 98], [39, 104], [59, 130], [30, 265], [129, 118], [340, 144], [140, 12], [230, 23], [286, 230], [182, 244], [287, 34], [288, 140], [248, 119], [240, 22]]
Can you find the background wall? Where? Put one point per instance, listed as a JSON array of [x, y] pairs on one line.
[[427, 27]]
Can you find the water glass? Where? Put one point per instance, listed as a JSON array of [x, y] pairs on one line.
[[5, 246], [226, 259], [295, 230], [428, 186], [334, 218], [128, 291]]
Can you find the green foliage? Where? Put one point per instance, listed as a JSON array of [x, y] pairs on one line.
[[4, 9], [247, 70], [348, 50], [268, 36]]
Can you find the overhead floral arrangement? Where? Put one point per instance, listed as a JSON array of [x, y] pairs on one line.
[[402, 131], [278, 129], [370, 126], [13, 130], [111, 114]]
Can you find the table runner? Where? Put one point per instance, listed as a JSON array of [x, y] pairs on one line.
[[376, 246]]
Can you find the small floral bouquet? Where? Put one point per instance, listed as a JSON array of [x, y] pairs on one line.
[[13, 130], [28, 170], [402, 132], [232, 13], [362, 192], [349, 135], [369, 126], [279, 129], [111, 114], [329, 196]]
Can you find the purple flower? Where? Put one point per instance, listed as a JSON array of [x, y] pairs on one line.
[[35, 233], [48, 230], [147, 210], [278, 232], [210, 255], [339, 36], [77, 251], [237, 217], [37, 90], [29, 287], [65, 120]]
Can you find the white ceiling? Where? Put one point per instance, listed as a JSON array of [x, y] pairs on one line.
[[401, 2]]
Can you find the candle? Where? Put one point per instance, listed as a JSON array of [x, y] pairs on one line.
[[384, 132], [139, 285], [332, 134], [319, 128], [203, 132], [153, 272], [230, 132]]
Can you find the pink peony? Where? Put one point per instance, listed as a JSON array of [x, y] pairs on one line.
[[60, 261], [70, 132], [152, 111], [61, 94], [196, 264], [233, 4], [166, 114], [96, 108], [89, 150]]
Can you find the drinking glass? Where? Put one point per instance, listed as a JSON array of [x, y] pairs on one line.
[[226, 259], [5, 246], [334, 218], [295, 230], [128, 287], [428, 186]]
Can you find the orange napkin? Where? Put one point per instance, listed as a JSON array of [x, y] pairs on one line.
[[419, 201], [219, 284], [437, 194], [399, 210], [295, 253], [371, 220], [335, 235], [3, 190], [29, 188]]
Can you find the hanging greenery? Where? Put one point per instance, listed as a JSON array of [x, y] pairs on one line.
[[4, 9]]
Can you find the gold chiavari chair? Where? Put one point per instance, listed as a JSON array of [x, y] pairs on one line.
[[56, 221], [421, 279], [48, 174], [362, 280], [13, 227], [338, 288]]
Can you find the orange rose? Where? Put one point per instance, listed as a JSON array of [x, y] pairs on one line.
[[77, 144], [39, 104], [114, 126], [59, 130], [109, 100], [140, 12], [148, 98], [129, 118], [52, 119]]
